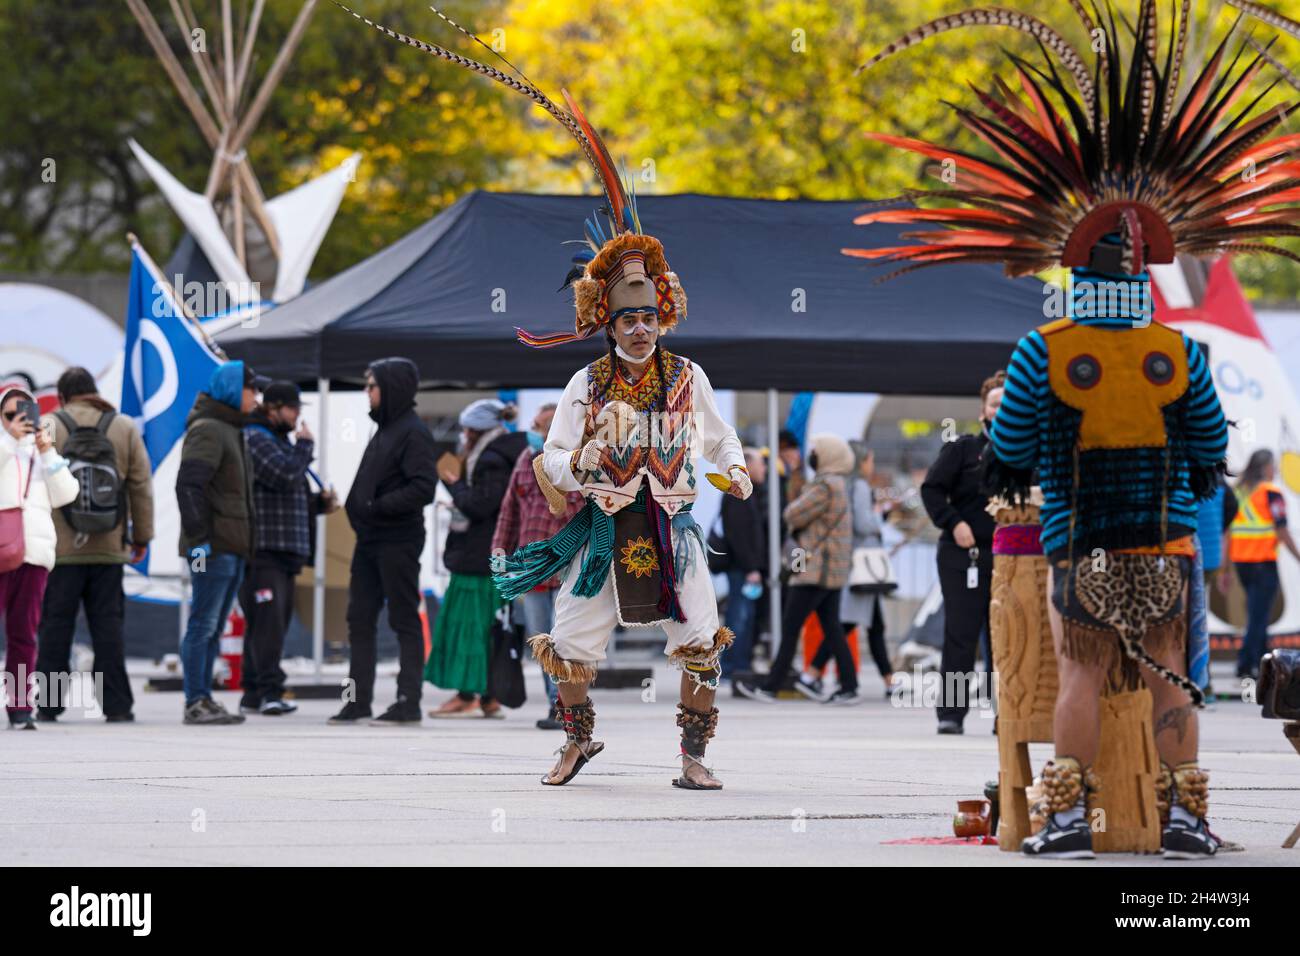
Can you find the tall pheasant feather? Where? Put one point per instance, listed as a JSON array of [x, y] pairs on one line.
[[593, 149]]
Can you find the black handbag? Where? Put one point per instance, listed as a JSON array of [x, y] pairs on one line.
[[506, 668], [719, 558], [1279, 685]]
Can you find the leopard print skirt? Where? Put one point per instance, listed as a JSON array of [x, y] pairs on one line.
[[1124, 608]]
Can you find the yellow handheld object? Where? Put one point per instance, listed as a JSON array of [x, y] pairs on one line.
[[721, 482]]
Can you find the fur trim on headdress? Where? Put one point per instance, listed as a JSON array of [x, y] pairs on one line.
[[588, 298], [655, 263], [564, 672], [679, 298]]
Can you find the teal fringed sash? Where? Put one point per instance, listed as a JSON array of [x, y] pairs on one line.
[[540, 561]]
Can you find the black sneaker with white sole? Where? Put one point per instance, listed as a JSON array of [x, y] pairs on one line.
[[844, 698], [1056, 842], [754, 692], [1182, 841], [810, 688], [275, 707]]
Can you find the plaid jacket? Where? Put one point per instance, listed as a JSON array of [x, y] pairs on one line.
[[822, 523], [524, 516], [281, 495]]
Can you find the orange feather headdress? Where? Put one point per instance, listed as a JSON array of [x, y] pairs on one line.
[[1126, 154]]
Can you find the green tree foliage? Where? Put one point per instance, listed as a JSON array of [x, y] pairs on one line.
[[735, 97]]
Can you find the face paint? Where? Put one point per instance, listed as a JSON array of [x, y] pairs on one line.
[[647, 322]]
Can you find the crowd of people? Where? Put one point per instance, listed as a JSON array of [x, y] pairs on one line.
[[78, 502]]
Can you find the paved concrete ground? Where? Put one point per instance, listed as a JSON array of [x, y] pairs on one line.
[[805, 784]]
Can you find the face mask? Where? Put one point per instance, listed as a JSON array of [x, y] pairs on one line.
[[618, 350], [535, 441], [752, 590]]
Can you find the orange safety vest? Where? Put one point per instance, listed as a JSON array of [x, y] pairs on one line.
[[1254, 536]]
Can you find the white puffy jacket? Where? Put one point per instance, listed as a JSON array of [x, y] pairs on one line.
[[52, 487]]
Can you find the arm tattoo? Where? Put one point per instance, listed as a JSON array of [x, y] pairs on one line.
[[1176, 719]]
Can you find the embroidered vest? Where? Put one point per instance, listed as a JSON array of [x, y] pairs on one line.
[[657, 447]]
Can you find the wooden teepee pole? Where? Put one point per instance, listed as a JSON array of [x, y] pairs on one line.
[[202, 63], [246, 54]]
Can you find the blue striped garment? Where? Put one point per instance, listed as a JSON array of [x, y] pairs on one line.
[[1024, 417]]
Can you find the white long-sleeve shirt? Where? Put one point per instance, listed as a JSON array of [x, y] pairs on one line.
[[710, 438], [38, 482]]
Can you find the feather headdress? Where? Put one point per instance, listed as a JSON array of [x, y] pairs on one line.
[[1123, 152], [603, 245]]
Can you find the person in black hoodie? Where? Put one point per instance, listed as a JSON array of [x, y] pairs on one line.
[[462, 635], [393, 484], [954, 499]]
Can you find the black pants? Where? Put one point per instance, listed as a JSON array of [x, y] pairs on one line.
[[266, 596], [386, 573], [965, 616], [875, 641], [825, 603], [99, 588]]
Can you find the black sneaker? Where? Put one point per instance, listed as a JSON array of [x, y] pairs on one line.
[[754, 692], [1056, 842], [46, 716], [950, 727], [1181, 841], [844, 698], [549, 722], [249, 705], [401, 714], [275, 707], [21, 720], [126, 718], [351, 713], [810, 688]]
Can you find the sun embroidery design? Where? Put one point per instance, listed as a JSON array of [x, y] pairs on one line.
[[639, 557]]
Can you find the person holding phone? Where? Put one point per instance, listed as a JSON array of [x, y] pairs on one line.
[[90, 565], [34, 480]]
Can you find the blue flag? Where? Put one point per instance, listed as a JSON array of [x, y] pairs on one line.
[[797, 420], [167, 364]]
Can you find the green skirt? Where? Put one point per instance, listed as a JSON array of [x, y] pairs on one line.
[[462, 635]]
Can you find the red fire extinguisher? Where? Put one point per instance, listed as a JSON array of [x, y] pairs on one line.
[[232, 648]]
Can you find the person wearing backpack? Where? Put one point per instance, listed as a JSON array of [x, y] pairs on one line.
[[108, 524], [34, 480]]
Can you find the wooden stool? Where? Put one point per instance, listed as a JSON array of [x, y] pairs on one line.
[[1025, 663]]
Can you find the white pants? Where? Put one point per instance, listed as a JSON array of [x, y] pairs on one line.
[[583, 625]]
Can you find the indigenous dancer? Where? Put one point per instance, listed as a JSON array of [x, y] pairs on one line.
[[1117, 412], [626, 434]]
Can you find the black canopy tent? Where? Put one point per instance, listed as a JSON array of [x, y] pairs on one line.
[[773, 305], [772, 302]]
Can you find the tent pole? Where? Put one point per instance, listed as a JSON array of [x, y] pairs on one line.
[[774, 504], [318, 585]]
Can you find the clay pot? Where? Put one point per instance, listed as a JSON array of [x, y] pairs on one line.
[[972, 818]]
